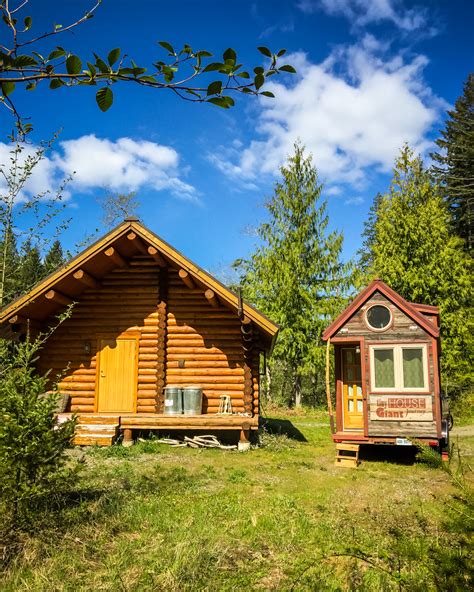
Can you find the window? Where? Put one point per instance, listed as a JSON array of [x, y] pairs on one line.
[[378, 317], [399, 368]]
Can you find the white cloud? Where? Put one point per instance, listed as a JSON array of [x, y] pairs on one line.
[[123, 165], [352, 111], [363, 12]]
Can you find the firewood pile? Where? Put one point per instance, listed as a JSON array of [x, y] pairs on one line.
[[197, 442]]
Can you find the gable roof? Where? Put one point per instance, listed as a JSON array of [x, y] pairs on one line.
[[35, 305], [408, 308]]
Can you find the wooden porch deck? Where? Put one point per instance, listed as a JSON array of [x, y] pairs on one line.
[[103, 428]]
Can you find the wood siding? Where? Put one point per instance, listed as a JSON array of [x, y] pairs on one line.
[[182, 340]]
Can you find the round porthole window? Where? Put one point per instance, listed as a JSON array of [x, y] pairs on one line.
[[378, 317]]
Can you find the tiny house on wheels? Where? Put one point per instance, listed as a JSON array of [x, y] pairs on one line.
[[387, 370], [147, 328]]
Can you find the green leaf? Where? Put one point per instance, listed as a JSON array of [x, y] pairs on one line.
[[224, 102], [73, 64], [113, 56], [28, 21], [194, 93], [230, 54], [204, 54], [55, 83], [213, 66], [214, 88], [104, 98], [23, 61], [7, 88], [243, 75], [267, 93], [281, 53], [150, 79], [31, 86], [259, 81], [167, 46], [265, 51], [287, 68], [101, 65], [92, 69], [259, 70], [57, 53]]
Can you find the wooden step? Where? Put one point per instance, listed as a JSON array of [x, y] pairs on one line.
[[102, 419], [93, 440], [347, 455], [97, 429]]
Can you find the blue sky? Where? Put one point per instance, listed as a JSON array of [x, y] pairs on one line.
[[372, 74]]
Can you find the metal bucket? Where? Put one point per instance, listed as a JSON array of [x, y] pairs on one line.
[[192, 400], [173, 400]]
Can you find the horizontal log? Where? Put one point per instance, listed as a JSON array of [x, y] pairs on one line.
[[186, 278], [147, 357], [146, 379], [82, 408], [58, 298], [196, 364], [209, 371], [86, 279], [190, 351], [83, 401], [74, 386], [115, 257], [146, 408], [153, 252]]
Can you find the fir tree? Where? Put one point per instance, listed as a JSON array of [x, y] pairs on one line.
[[296, 276], [454, 166], [30, 268], [412, 248], [9, 264], [54, 258]]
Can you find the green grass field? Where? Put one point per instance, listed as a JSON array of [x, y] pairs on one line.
[[280, 517]]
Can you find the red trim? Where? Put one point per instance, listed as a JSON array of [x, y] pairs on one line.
[[436, 386], [426, 308], [341, 437], [377, 285], [337, 371]]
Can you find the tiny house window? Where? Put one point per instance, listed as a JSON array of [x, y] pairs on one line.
[[399, 368], [378, 317]]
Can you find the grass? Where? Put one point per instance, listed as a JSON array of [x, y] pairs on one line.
[[280, 517]]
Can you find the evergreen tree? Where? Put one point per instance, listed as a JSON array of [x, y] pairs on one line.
[[30, 268], [413, 250], [54, 258], [296, 276], [454, 166], [9, 264]]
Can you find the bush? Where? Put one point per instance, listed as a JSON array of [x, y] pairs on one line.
[[33, 468]]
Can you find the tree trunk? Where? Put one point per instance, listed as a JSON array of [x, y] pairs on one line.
[[297, 392], [268, 389]]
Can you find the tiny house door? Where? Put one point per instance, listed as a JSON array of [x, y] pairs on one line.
[[352, 402], [117, 375]]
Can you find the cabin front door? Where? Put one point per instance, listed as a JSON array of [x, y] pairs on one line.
[[352, 403], [117, 378]]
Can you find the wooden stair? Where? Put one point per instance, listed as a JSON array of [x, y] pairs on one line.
[[347, 455], [96, 430]]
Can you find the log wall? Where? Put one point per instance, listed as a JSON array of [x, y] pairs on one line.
[[208, 342], [124, 304], [183, 340]]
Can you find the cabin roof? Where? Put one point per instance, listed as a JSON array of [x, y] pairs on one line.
[[412, 310], [36, 306]]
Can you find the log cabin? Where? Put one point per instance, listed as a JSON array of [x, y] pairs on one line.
[[387, 370], [143, 317]]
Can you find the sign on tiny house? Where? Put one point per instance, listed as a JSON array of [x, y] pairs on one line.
[[387, 370]]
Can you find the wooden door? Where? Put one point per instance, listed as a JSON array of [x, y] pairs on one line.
[[117, 379], [352, 402]]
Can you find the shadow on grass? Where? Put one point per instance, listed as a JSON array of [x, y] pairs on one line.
[[283, 427], [400, 455]]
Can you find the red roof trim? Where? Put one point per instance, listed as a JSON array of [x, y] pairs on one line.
[[377, 285], [426, 308]]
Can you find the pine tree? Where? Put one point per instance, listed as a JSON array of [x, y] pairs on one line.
[[296, 276], [54, 258], [454, 166], [9, 264], [30, 268], [413, 249]]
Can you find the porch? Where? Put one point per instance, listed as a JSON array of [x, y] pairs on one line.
[[102, 429]]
